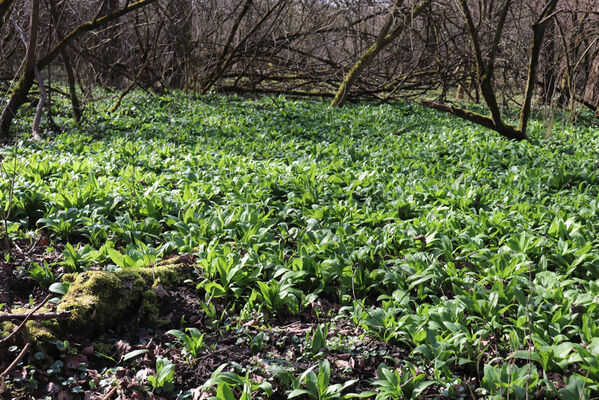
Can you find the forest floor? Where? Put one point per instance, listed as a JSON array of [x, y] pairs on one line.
[[224, 247]]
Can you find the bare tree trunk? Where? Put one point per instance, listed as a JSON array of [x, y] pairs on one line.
[[72, 88], [19, 94], [591, 91], [385, 37], [180, 35], [485, 73], [538, 33], [459, 95], [222, 62], [39, 109], [76, 106], [217, 70], [549, 73], [110, 51]]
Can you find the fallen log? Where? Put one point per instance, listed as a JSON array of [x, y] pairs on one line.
[[99, 300]]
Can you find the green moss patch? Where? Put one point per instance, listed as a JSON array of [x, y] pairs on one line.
[[99, 300]]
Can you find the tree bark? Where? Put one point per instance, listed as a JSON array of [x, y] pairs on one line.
[[591, 91], [485, 73], [4, 8], [76, 106], [548, 85], [179, 30], [217, 70], [383, 40], [111, 52], [223, 63], [538, 33], [19, 94]]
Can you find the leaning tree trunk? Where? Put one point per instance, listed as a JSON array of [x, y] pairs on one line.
[[485, 68], [19, 94], [385, 37]]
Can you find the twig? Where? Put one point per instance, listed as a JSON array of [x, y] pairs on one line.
[[18, 328], [215, 352], [15, 362], [36, 317], [111, 393]]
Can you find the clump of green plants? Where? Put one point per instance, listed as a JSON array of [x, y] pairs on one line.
[[318, 386], [163, 381], [192, 341]]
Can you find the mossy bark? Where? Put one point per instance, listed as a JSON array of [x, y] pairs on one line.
[[100, 300], [385, 37], [19, 95]]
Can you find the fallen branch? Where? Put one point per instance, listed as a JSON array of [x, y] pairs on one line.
[[18, 328], [14, 363], [36, 317], [110, 394]]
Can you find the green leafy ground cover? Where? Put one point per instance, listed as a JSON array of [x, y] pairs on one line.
[[376, 251]]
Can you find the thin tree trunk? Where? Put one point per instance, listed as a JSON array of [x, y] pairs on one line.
[[76, 105], [222, 65], [19, 94], [110, 51], [383, 40], [4, 8], [39, 109], [485, 74], [180, 48], [591, 92], [549, 69], [217, 70], [538, 33]]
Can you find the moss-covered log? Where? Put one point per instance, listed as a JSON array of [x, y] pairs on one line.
[[100, 300]]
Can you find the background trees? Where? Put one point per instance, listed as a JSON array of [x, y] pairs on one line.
[[429, 48]]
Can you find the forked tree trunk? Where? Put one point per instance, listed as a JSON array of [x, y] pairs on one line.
[[19, 94], [485, 69]]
